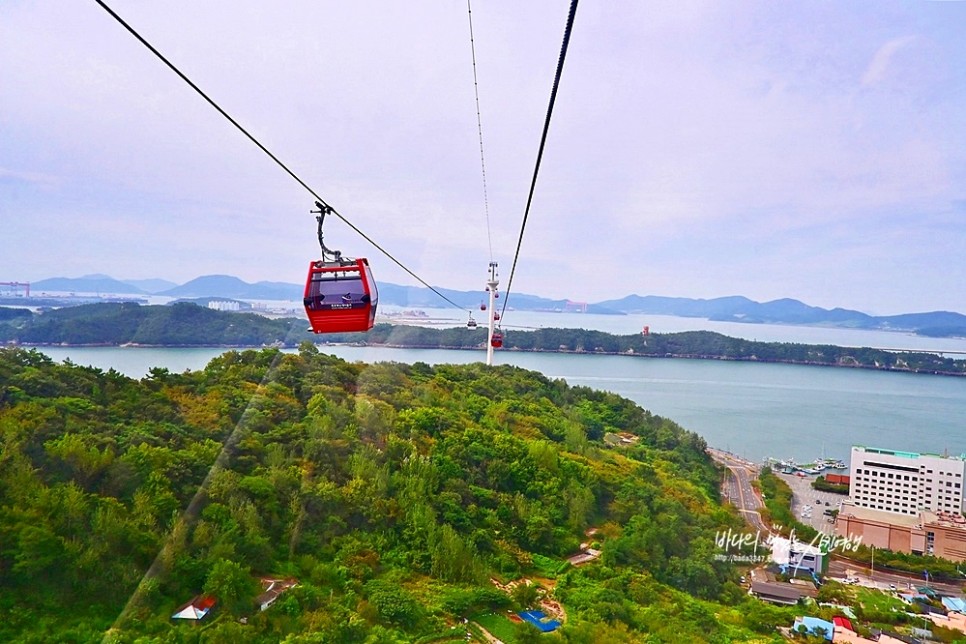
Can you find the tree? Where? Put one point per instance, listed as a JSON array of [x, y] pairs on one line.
[[525, 594], [232, 585], [527, 633]]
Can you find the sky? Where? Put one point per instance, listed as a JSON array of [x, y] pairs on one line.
[[815, 150]]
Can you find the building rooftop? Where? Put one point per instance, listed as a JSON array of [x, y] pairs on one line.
[[779, 593], [884, 516], [948, 519], [893, 452]]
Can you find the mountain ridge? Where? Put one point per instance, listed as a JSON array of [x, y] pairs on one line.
[[732, 308]]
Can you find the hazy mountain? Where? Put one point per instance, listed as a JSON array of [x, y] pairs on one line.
[[421, 296], [227, 286], [86, 284], [738, 309], [789, 311], [681, 306], [936, 324], [151, 285], [728, 309]]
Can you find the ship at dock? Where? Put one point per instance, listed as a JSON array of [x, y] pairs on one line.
[[819, 466]]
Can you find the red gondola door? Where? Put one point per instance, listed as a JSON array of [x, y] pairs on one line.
[[340, 296]]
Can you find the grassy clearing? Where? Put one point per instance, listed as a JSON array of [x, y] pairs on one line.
[[879, 601], [547, 566], [497, 623]]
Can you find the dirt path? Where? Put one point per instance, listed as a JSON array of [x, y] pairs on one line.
[[488, 635]]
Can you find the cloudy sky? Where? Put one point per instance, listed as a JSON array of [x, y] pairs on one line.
[[698, 149]]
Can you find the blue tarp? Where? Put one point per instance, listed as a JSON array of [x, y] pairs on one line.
[[813, 624], [539, 619]]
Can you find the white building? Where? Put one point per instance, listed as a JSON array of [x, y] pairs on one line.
[[224, 305], [795, 554], [906, 482]]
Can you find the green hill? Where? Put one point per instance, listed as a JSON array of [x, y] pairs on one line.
[[179, 324], [394, 494], [187, 324]]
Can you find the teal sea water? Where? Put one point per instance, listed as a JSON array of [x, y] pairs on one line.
[[754, 410]]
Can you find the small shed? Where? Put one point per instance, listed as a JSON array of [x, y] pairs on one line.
[[273, 590], [196, 609]]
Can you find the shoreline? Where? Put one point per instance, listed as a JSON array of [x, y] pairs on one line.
[[669, 356]]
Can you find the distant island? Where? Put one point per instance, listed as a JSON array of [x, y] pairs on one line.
[[57, 292], [189, 325]]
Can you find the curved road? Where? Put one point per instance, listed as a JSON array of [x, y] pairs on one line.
[[738, 489]]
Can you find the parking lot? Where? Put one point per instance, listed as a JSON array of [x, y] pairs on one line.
[[809, 505]]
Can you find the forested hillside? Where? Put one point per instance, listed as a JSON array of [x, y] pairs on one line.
[[180, 324], [394, 494], [687, 344], [186, 324]]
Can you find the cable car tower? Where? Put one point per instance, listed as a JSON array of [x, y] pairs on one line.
[[492, 334]]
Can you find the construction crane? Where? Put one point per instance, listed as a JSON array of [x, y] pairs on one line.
[[16, 287]]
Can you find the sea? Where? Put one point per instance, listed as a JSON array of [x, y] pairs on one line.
[[754, 410]]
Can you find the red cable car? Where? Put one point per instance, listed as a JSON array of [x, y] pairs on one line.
[[340, 294], [496, 340], [496, 316]]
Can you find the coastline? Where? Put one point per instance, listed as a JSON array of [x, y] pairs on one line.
[[672, 356]]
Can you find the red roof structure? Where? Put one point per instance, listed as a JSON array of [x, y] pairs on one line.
[[197, 608], [843, 622]]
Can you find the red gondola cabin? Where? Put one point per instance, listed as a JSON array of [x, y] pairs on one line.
[[496, 340], [340, 297]]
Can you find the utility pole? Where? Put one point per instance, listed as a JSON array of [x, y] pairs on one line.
[[491, 285], [872, 569]]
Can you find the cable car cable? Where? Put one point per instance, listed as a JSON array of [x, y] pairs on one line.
[[479, 127], [543, 140], [268, 152]]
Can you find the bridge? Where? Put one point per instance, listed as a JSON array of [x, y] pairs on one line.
[[962, 353]]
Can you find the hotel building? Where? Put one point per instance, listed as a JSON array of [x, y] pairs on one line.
[[906, 482], [906, 502]]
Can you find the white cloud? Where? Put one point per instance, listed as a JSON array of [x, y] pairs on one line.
[[693, 146], [878, 67]]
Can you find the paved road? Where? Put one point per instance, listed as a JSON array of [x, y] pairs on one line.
[[737, 487], [839, 569]]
